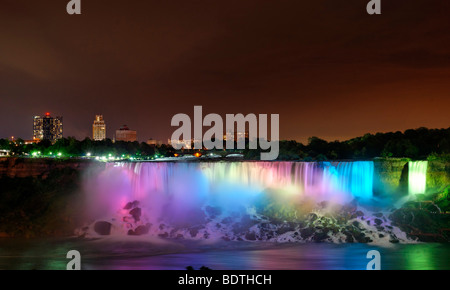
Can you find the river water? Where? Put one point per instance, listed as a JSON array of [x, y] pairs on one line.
[[138, 253]]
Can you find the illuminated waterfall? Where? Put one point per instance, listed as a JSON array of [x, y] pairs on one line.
[[179, 192], [355, 178], [303, 178], [186, 185], [417, 176]]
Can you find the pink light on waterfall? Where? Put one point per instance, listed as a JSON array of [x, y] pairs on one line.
[[179, 190]]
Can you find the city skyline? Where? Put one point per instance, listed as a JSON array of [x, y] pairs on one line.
[[100, 119], [328, 69]]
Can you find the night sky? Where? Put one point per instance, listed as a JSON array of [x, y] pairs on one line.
[[327, 67]]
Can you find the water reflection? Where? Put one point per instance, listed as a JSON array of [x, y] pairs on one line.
[[51, 254]]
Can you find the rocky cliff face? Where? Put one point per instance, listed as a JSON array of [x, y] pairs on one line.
[[40, 197], [28, 167], [438, 176], [391, 176]]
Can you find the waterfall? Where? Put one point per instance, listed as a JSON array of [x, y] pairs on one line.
[[193, 184], [303, 178], [355, 178], [181, 192], [417, 176]]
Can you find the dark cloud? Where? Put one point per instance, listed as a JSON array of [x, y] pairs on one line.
[[326, 67], [420, 59]]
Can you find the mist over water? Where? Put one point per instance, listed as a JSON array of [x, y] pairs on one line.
[[235, 201], [177, 191]]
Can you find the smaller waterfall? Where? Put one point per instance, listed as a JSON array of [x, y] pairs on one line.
[[417, 176]]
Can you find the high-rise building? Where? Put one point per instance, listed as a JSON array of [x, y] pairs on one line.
[[125, 134], [99, 128], [47, 128]]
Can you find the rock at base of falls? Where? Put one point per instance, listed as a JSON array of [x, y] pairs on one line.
[[136, 213], [140, 230], [131, 205], [103, 228]]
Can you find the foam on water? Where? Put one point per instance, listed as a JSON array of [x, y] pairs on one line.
[[175, 196]]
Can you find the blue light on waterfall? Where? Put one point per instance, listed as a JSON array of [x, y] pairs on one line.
[[236, 183], [354, 178], [362, 179], [180, 191]]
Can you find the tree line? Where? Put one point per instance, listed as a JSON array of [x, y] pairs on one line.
[[421, 143], [71, 147]]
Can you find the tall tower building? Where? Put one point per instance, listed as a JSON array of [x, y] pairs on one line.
[[47, 128], [99, 128]]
